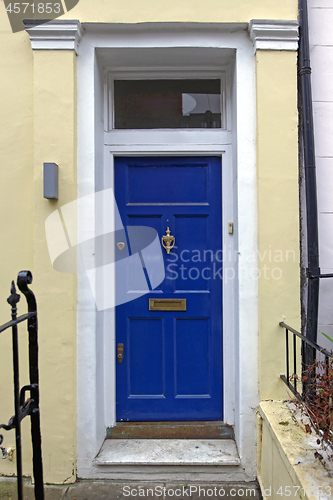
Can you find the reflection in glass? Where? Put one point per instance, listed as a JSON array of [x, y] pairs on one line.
[[144, 104]]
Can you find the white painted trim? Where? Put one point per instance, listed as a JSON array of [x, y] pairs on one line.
[[268, 34], [179, 148], [228, 245], [95, 346], [54, 35]]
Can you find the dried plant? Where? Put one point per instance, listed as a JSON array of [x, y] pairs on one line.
[[319, 397], [317, 404]]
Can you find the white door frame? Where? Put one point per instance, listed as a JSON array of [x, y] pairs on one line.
[[96, 335], [228, 268]]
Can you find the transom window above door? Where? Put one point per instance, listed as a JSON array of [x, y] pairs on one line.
[[167, 104]]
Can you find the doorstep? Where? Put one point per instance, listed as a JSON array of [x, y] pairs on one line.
[[196, 452], [171, 430]]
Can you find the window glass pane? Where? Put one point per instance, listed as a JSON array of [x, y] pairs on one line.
[[140, 104]]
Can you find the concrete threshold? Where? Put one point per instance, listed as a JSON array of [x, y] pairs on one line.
[[169, 452], [171, 430]]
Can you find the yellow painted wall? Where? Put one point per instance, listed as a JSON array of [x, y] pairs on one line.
[[16, 207], [38, 124], [212, 11], [217, 11], [54, 131], [278, 212]]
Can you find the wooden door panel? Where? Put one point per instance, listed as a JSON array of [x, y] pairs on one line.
[[172, 365]]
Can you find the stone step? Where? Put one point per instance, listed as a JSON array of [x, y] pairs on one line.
[[180, 452]]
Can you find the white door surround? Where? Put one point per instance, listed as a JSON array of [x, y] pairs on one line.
[[147, 52]]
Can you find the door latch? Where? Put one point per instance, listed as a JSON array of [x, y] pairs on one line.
[[120, 352]]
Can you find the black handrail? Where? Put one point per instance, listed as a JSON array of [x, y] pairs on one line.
[[286, 378], [31, 405]]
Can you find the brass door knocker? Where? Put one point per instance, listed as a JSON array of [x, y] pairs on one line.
[[168, 241]]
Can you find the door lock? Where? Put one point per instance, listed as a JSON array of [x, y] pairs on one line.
[[120, 352]]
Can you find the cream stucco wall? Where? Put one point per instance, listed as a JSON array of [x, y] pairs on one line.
[[278, 213], [217, 11], [38, 124], [16, 206], [54, 129]]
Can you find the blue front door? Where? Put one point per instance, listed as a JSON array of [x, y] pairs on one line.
[[172, 360]]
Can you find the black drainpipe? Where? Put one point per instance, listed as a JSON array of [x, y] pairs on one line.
[[313, 271]]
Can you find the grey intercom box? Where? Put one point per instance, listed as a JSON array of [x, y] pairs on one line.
[[51, 176]]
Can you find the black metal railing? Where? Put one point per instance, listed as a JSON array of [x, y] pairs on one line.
[[292, 376], [22, 406]]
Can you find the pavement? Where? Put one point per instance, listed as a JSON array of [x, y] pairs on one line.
[[110, 490]]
